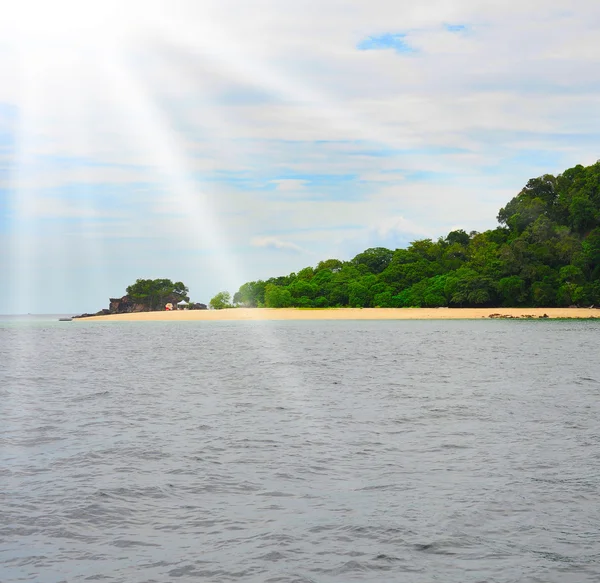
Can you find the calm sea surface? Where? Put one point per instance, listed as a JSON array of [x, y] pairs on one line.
[[407, 451]]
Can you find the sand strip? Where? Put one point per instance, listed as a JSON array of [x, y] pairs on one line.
[[347, 314]]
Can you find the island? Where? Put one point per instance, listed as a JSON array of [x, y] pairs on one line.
[[541, 261]]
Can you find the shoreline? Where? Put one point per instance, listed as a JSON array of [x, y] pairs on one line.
[[267, 314]]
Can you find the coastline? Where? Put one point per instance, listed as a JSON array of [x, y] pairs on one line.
[[265, 314]]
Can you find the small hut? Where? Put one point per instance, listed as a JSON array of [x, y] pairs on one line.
[[182, 305]]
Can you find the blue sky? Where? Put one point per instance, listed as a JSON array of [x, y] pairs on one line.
[[229, 140], [395, 41]]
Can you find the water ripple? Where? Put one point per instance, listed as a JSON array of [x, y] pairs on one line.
[[300, 452]]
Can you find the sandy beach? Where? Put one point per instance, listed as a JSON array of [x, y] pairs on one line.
[[347, 314]]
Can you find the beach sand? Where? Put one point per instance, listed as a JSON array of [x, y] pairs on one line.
[[346, 314]]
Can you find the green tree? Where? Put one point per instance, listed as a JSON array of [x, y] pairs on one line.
[[333, 265], [544, 293], [434, 295], [584, 215], [513, 291], [154, 293], [321, 302], [221, 301], [251, 294], [303, 288], [277, 297], [375, 259], [358, 295], [383, 300], [591, 252], [459, 237]]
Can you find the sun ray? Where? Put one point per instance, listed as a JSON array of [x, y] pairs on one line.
[[161, 148], [24, 240], [150, 134], [169, 156], [207, 41]]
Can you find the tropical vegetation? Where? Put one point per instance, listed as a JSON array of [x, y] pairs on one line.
[[153, 293], [221, 301], [545, 251]]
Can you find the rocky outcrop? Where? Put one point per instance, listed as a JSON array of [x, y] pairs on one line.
[[103, 312], [126, 305], [509, 317]]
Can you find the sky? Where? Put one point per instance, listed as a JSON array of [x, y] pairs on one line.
[[224, 141]]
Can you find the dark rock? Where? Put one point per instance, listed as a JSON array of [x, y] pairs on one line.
[[125, 305], [507, 316]]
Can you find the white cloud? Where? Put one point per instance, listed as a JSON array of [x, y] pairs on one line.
[[399, 224], [287, 185], [275, 243]]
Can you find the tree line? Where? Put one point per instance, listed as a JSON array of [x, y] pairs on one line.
[[545, 252]]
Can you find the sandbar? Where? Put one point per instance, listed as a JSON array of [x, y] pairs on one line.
[[237, 314]]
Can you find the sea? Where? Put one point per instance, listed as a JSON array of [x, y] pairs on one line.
[[300, 452]]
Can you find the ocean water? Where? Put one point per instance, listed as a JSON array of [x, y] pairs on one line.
[[412, 451]]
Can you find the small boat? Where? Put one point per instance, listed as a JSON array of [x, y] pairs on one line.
[[65, 319]]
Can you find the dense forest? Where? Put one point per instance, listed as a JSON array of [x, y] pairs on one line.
[[545, 252]]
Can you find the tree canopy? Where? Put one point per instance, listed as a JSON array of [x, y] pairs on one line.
[[221, 301], [545, 252], [154, 293]]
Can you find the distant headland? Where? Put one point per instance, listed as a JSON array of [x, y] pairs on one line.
[[545, 253], [149, 295]]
